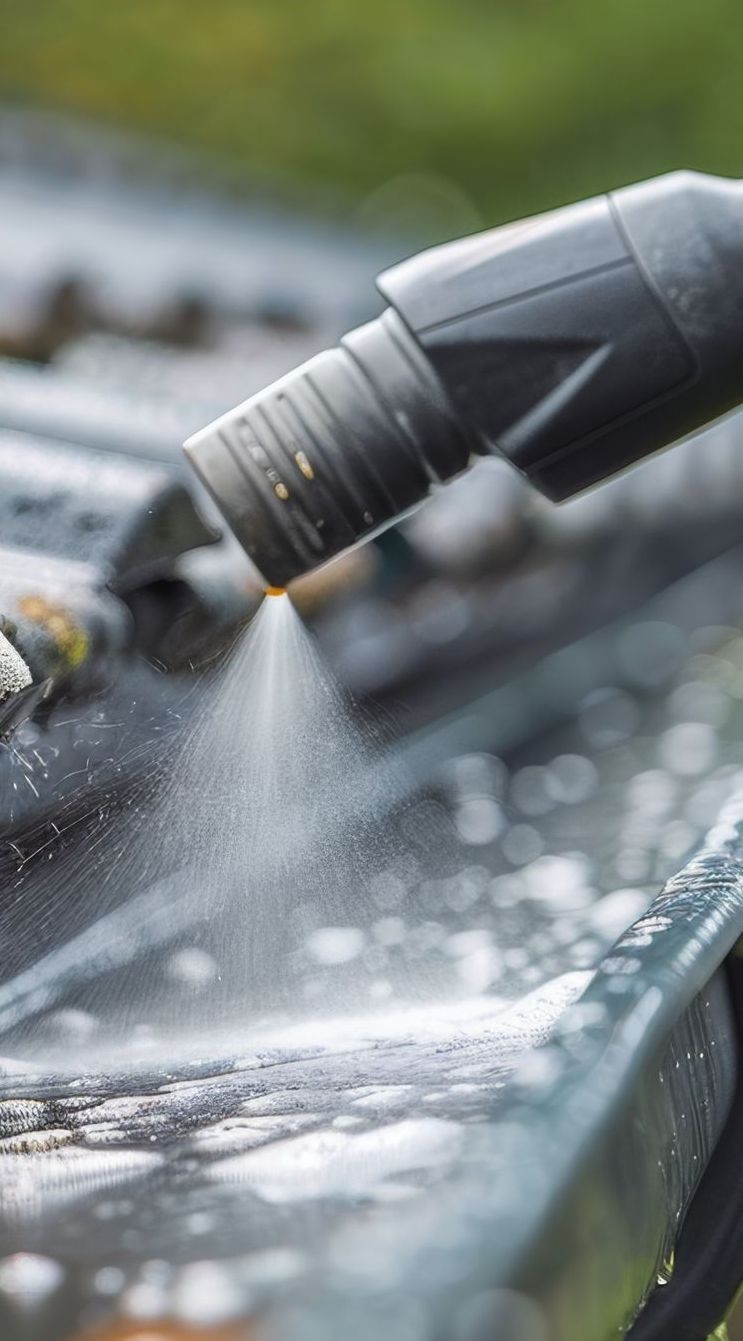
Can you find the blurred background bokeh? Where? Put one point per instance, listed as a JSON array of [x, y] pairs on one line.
[[432, 115]]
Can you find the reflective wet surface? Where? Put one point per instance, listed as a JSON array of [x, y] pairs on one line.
[[258, 1157], [361, 1131]]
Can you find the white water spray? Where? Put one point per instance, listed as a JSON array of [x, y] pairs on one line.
[[258, 850]]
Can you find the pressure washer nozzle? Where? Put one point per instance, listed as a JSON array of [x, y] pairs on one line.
[[332, 453], [276, 591], [572, 344]]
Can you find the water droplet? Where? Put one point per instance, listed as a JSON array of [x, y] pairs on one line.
[[192, 967], [689, 748], [479, 820], [29, 1279], [335, 945]]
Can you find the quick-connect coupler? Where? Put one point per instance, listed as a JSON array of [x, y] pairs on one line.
[[573, 344]]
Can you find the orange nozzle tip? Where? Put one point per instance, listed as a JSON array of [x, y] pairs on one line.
[[276, 591]]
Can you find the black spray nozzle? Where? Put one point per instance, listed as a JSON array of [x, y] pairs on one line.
[[572, 344], [332, 453]]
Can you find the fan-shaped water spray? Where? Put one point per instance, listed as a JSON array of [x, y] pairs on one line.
[[231, 887]]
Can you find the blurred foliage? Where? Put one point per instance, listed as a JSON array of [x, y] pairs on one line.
[[521, 104]]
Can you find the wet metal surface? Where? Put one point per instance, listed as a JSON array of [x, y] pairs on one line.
[[399, 1169], [319, 1168]]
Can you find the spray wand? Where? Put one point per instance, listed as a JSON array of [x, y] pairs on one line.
[[572, 344]]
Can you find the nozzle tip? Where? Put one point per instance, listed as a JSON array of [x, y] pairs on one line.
[[276, 591]]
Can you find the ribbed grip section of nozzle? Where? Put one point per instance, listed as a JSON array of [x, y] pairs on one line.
[[333, 452]]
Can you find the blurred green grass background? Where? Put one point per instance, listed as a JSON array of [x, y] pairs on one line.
[[516, 104]]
